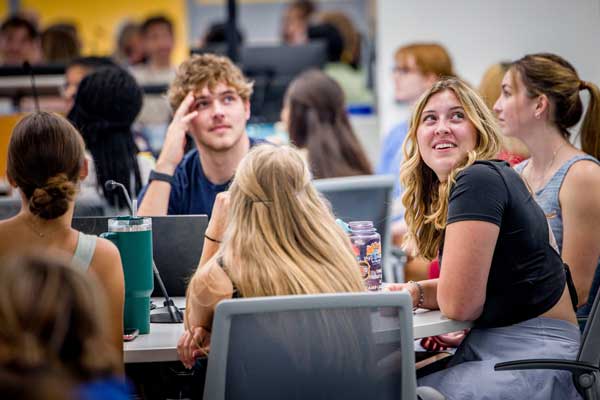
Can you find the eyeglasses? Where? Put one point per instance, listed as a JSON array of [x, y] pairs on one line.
[[403, 70]]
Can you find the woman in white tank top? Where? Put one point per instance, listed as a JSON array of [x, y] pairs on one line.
[[46, 163]]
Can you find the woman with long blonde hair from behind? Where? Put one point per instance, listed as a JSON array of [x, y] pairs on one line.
[[497, 265], [271, 234]]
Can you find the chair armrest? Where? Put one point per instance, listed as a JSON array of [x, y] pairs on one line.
[[566, 365], [397, 251], [428, 393], [398, 260]]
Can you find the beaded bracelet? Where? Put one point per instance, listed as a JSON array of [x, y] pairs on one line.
[[421, 294]]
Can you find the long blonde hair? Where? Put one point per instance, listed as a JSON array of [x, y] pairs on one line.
[[425, 197], [282, 239]]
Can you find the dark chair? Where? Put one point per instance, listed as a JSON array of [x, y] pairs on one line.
[[9, 207], [585, 369], [313, 347], [364, 198]]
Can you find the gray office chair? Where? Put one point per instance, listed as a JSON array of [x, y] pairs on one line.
[[9, 207], [585, 369], [313, 347], [364, 198]]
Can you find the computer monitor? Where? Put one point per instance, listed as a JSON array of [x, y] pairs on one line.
[[272, 68], [363, 198], [177, 242]]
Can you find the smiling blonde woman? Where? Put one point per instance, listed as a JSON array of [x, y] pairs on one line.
[[498, 268]]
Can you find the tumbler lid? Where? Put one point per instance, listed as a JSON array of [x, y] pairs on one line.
[[129, 224]]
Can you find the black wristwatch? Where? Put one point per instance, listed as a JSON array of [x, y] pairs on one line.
[[159, 176]]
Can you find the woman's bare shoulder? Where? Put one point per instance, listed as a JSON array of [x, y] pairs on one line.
[[210, 279], [581, 187], [106, 256], [11, 236]]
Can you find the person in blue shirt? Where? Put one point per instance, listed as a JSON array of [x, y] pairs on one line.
[[211, 97], [417, 67]]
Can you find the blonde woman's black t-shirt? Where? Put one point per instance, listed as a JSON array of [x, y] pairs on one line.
[[527, 276]]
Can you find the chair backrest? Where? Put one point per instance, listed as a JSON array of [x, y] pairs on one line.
[[177, 242], [327, 346], [589, 350], [9, 207], [364, 198]]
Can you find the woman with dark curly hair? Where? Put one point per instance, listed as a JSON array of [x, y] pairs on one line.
[[106, 105]]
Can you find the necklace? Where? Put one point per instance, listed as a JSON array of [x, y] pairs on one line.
[[542, 178], [31, 225]]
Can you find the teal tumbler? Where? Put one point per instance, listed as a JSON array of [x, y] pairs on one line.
[[133, 238]]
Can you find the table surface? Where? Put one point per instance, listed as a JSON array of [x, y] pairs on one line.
[[160, 344]]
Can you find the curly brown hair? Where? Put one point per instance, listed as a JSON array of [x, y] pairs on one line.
[[207, 70]]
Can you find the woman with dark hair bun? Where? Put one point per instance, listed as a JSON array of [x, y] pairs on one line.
[[46, 161], [315, 116], [106, 105]]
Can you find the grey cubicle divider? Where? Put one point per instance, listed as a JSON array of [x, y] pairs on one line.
[[364, 198]]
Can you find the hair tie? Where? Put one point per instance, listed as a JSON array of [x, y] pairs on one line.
[[583, 85]]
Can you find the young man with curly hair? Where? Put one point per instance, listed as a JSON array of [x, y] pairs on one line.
[[211, 97]]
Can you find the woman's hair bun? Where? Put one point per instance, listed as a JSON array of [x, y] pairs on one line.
[[52, 200]]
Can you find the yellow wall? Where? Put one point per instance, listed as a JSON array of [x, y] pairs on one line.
[[97, 21], [7, 123]]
